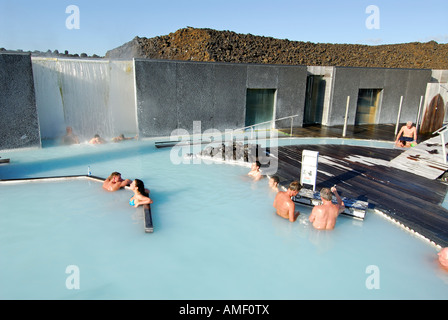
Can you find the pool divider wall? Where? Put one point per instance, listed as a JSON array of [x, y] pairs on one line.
[[148, 224]]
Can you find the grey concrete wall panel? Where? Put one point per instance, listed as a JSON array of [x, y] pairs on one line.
[[156, 97], [195, 90], [19, 125], [291, 95], [262, 76], [173, 94], [290, 82], [409, 83], [230, 96], [416, 87], [345, 84]]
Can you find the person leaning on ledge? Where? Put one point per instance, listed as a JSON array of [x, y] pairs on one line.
[[114, 182], [284, 205]]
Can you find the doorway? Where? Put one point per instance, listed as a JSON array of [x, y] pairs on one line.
[[260, 106], [367, 106], [314, 101]]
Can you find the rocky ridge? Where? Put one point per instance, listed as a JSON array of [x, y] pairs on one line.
[[192, 44]]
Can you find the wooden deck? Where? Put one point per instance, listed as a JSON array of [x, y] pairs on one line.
[[425, 159], [374, 175], [363, 173], [385, 132]]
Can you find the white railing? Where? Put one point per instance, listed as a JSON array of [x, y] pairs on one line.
[[272, 122]]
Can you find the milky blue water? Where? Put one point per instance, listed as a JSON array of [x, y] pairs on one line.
[[216, 236]]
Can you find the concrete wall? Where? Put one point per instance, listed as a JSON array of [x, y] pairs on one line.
[[19, 126], [409, 83], [173, 94]]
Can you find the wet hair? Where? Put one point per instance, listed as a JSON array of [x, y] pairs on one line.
[[295, 186], [140, 187], [258, 164], [325, 193], [97, 136]]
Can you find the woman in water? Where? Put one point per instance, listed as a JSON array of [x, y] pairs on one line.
[[141, 195]]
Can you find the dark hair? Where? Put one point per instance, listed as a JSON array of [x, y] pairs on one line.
[[140, 187], [258, 164], [275, 178]]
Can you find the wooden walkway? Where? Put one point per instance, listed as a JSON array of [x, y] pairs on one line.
[[385, 132], [363, 173], [425, 159], [371, 174]]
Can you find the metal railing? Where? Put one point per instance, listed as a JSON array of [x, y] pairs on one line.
[[272, 122]]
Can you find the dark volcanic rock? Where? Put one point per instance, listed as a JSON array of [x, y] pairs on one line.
[[193, 44]]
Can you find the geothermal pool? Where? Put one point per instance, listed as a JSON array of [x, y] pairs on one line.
[[216, 236]]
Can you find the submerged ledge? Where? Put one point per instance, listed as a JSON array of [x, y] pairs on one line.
[[147, 216]]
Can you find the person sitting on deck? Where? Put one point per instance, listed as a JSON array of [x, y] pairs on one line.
[[284, 205], [255, 172], [406, 136], [70, 137], [323, 217], [114, 182], [273, 183], [141, 194]]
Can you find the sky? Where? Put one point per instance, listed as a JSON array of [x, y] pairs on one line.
[[94, 27]]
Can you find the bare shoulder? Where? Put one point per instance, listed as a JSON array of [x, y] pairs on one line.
[[279, 194], [318, 209]]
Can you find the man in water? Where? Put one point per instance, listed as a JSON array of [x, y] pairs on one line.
[[121, 137], [408, 134], [97, 140], [284, 205], [255, 172], [273, 183], [70, 137], [114, 182], [323, 217]]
